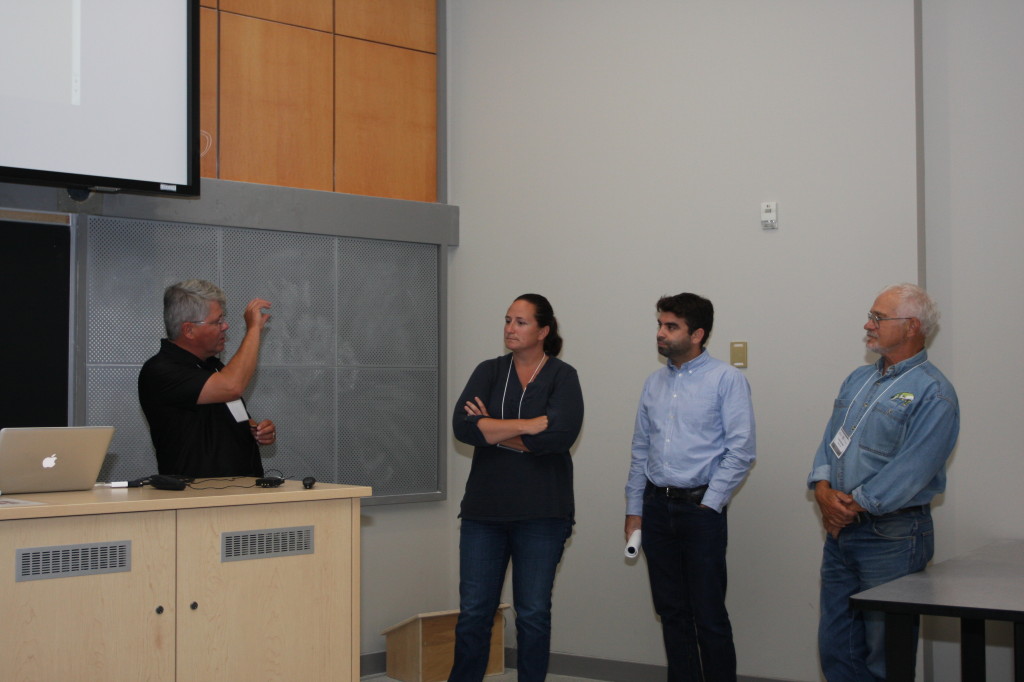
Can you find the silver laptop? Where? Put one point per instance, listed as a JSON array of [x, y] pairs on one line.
[[48, 459]]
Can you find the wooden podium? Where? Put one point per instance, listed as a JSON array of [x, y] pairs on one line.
[[422, 648], [239, 583]]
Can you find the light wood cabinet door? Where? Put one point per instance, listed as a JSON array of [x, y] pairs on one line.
[[268, 615], [89, 627], [406, 23], [385, 121], [317, 14], [276, 102]]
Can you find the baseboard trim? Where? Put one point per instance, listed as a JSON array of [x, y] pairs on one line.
[[566, 664], [373, 664], [597, 668]]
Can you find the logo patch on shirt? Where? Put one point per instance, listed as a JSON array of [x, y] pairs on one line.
[[903, 399]]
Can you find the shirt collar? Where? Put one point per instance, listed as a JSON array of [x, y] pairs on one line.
[[901, 367], [182, 355], [692, 365]]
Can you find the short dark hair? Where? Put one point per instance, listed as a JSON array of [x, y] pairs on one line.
[[545, 316], [696, 310]]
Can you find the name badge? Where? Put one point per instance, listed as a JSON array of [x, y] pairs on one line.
[[840, 442], [237, 408]]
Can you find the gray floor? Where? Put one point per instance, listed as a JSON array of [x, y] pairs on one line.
[[509, 676]]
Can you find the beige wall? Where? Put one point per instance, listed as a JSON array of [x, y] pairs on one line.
[[604, 153], [974, 154]]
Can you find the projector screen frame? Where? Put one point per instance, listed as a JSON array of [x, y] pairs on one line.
[[79, 185]]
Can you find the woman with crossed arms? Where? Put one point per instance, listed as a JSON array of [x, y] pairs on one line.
[[521, 412]]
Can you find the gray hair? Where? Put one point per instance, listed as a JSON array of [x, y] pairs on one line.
[[189, 301], [915, 302]]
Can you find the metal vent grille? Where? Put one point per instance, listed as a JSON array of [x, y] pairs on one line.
[[263, 544], [65, 561]]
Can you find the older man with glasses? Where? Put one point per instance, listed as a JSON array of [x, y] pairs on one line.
[[193, 402], [880, 463]]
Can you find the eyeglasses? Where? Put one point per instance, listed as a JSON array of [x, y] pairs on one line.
[[878, 319], [220, 321]]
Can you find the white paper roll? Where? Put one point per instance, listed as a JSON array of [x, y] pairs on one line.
[[633, 546]]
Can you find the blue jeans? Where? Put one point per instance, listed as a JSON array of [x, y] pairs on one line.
[[871, 551], [485, 548], [685, 544]]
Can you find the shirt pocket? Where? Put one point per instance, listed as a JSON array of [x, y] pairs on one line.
[[698, 411], [882, 430]]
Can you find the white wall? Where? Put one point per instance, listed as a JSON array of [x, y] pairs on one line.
[[408, 566], [604, 153], [974, 176]]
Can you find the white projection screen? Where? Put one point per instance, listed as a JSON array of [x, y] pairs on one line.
[[100, 94]]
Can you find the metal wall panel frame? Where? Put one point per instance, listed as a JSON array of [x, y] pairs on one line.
[[259, 207]]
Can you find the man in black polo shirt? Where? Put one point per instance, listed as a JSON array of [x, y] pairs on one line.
[[192, 401]]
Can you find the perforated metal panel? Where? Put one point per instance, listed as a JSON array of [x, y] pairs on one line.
[[371, 403], [65, 561], [129, 264], [302, 403], [295, 272], [387, 304], [349, 364], [113, 399]]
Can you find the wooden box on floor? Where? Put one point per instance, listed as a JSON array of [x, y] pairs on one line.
[[421, 648]]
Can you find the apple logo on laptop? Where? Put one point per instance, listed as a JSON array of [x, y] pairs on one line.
[[50, 462]]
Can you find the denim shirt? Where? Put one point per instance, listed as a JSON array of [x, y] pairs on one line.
[[694, 427], [903, 423]]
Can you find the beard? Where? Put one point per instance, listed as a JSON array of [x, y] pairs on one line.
[[674, 351], [873, 345]]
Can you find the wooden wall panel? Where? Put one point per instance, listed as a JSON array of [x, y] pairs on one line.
[[208, 93], [276, 101], [208, 3], [316, 14], [407, 23], [385, 121]]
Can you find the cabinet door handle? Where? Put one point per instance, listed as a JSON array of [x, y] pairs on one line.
[[194, 605], [159, 610]]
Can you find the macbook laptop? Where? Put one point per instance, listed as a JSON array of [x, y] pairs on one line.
[[48, 459]]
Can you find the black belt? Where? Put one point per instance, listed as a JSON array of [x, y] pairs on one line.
[[694, 495], [906, 510]]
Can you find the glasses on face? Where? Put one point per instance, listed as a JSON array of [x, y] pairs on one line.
[[220, 321], [878, 319]]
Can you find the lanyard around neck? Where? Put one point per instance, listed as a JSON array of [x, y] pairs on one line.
[[877, 397], [511, 364]]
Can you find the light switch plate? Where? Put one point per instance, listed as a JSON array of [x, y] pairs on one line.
[[769, 215], [738, 353]]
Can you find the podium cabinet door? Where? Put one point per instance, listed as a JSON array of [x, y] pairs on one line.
[[88, 598], [269, 591]]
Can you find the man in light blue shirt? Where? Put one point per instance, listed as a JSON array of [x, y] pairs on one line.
[[693, 445], [880, 462]]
